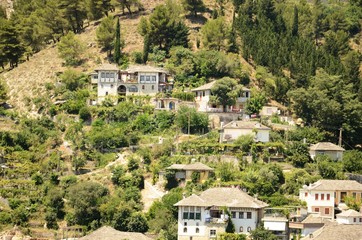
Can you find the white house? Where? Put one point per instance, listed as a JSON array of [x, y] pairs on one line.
[[235, 129], [323, 195], [268, 111], [202, 99], [349, 217], [135, 80], [203, 216], [334, 151]]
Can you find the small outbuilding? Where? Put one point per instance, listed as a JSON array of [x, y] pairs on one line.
[[334, 151], [185, 171]]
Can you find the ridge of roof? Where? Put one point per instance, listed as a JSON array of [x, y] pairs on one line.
[[326, 146], [332, 185], [246, 125]]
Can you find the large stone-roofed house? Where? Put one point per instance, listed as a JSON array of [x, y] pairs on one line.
[[202, 99], [335, 231], [235, 129], [135, 80], [203, 216], [323, 195], [184, 171], [335, 152]]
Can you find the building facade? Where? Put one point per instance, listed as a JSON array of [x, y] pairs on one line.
[[335, 152], [203, 104], [235, 129], [204, 216], [324, 195], [136, 80]]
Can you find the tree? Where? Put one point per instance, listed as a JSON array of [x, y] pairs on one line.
[[96, 8], [260, 233], [352, 161], [224, 92], [74, 11], [3, 92], [105, 34], [295, 22], [70, 49], [215, 33], [117, 44], [255, 104], [166, 29], [11, 49], [137, 223], [193, 6], [189, 119]]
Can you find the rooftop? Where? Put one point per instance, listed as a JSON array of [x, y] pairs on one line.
[[194, 166], [349, 213], [208, 86], [144, 68], [334, 185], [220, 197], [326, 146], [334, 231], [245, 125], [315, 218], [109, 233]]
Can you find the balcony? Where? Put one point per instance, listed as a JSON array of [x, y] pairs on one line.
[[212, 221]]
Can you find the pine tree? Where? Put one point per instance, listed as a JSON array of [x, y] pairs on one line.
[[11, 49], [193, 6], [295, 22], [117, 44], [105, 34]]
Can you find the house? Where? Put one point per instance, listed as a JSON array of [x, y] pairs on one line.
[[203, 104], [139, 80], [323, 195], [349, 217], [235, 129], [171, 104], [335, 231], [205, 216], [277, 224], [335, 152], [268, 111], [185, 171], [109, 233]]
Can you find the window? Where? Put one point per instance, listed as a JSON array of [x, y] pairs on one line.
[[305, 194], [316, 209], [203, 93], [247, 94], [133, 88], [212, 233], [197, 230], [192, 213], [153, 79], [343, 195], [186, 213], [360, 219], [354, 219], [233, 214], [153, 87], [322, 196], [95, 76], [248, 215], [328, 196], [143, 87], [241, 229], [111, 75], [249, 229], [103, 75], [316, 196], [185, 224], [106, 93], [241, 215], [107, 75], [142, 79], [148, 79], [354, 195], [185, 229], [198, 213], [326, 211], [111, 85]]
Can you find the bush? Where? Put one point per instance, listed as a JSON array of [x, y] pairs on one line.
[[137, 57], [85, 114]]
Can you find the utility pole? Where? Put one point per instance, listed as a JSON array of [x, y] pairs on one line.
[[189, 122], [340, 137]]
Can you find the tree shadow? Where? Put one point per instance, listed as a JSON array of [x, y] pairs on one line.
[[199, 19]]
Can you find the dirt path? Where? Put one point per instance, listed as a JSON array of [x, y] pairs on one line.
[[150, 194]]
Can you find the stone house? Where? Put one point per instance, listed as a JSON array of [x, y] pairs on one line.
[[334, 151], [235, 129]]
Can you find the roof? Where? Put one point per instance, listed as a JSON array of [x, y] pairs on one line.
[[107, 67], [245, 125], [194, 166], [334, 185], [326, 146], [209, 85], [144, 68], [220, 197], [109, 233], [335, 231], [349, 213], [315, 218]]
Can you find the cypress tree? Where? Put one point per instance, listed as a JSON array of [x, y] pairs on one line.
[[146, 48], [295, 22], [117, 44]]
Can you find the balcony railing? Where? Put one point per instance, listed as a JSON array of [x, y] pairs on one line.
[[216, 220]]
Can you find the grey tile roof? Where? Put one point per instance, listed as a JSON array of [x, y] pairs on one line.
[[109, 233], [194, 166], [209, 85], [325, 146], [245, 125], [144, 68], [335, 185], [229, 197], [335, 231], [349, 213]]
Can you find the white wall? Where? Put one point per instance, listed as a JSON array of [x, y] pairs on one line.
[[312, 202], [235, 133], [275, 226], [262, 136]]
